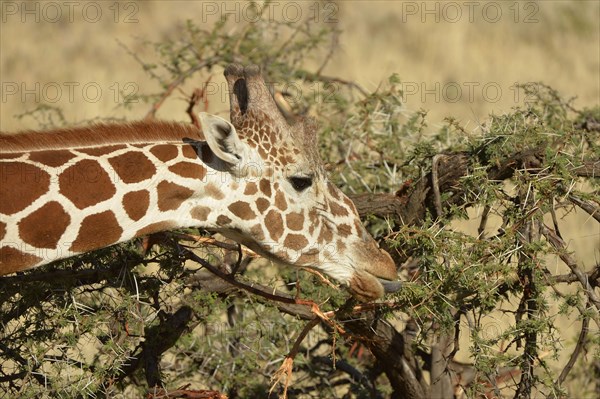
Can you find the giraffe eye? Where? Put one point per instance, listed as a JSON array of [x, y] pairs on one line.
[[300, 183]]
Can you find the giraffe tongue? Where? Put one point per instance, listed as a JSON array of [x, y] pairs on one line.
[[390, 286]]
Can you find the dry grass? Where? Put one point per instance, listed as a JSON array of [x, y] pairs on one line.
[[379, 38]]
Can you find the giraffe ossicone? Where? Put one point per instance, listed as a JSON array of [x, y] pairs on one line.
[[255, 179]]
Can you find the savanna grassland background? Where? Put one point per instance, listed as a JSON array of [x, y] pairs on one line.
[[85, 61], [429, 45]]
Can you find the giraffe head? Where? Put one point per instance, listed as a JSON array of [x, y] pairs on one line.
[[282, 205]]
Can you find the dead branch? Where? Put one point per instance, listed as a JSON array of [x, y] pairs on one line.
[[160, 338], [409, 204], [314, 77], [591, 209], [185, 393], [588, 169], [435, 184], [561, 247], [354, 374], [393, 352], [578, 348], [210, 283], [441, 384], [197, 96], [528, 306], [176, 83], [285, 371]]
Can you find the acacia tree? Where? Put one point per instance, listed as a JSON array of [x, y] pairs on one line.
[[198, 317]]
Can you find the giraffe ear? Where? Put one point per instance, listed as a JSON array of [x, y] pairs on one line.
[[222, 138]]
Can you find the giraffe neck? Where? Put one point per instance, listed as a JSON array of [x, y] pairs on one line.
[[69, 198], [257, 179]]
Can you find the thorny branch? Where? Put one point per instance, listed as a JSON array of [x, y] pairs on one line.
[[409, 204], [582, 277], [578, 348], [591, 209], [528, 306], [181, 78], [285, 371]]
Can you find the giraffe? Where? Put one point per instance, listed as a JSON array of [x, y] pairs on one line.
[[255, 179]]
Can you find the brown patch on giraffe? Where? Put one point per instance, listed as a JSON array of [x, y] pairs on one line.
[[333, 190], [223, 220], [273, 152], [257, 232], [341, 247], [344, 229], [274, 225], [295, 221], [213, 191], [313, 216], [250, 189], [85, 184], [242, 210], [265, 187], [337, 210], [2, 230], [359, 227], [295, 242], [308, 259], [133, 167], [283, 254], [164, 152], [262, 152], [262, 205], [43, 227], [103, 150], [20, 185], [188, 169], [97, 231], [189, 151], [136, 204], [200, 213], [53, 158], [325, 235], [350, 204], [280, 201], [154, 228], [171, 195], [12, 260], [313, 221]]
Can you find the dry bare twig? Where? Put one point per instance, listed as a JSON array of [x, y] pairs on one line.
[[583, 278]]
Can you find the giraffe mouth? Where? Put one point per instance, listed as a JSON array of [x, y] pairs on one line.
[[390, 286]]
